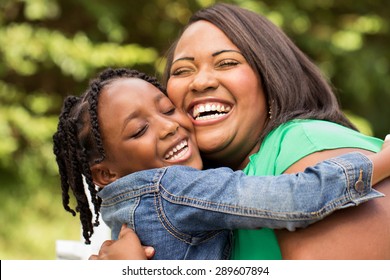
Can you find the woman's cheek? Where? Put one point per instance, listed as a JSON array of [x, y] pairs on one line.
[[176, 92]]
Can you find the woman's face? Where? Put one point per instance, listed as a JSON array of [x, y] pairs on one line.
[[212, 81]]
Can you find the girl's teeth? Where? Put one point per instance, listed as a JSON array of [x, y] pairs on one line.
[[179, 148], [179, 155]]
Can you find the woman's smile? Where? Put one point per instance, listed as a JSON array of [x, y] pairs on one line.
[[206, 111]]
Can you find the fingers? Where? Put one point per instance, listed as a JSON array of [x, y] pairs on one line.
[[125, 230], [107, 243], [131, 236], [104, 248], [127, 247], [149, 252], [386, 144], [93, 257]]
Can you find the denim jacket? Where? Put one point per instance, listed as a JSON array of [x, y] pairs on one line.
[[186, 213]]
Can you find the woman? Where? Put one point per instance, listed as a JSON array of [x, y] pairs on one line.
[[257, 102], [265, 81]]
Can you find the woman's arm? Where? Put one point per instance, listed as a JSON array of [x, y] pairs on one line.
[[357, 233]]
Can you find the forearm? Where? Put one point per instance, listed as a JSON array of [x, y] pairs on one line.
[[287, 201]]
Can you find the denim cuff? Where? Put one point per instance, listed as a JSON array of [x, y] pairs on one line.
[[358, 169]]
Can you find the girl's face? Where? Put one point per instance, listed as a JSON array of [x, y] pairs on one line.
[[212, 81], [142, 129]]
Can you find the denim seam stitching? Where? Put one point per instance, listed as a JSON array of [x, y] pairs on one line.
[[186, 238]]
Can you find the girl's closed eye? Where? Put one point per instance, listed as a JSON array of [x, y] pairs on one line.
[[166, 107], [170, 111], [139, 132]]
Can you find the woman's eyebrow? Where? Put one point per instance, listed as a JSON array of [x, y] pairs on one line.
[[213, 54], [224, 51], [183, 58]]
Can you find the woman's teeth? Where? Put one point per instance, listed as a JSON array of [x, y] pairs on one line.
[[209, 111], [178, 151]]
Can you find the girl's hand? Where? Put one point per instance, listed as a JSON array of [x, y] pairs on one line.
[[386, 144], [127, 247]]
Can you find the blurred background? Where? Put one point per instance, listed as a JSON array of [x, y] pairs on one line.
[[50, 48]]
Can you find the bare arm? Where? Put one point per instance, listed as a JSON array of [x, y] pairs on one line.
[[358, 233]]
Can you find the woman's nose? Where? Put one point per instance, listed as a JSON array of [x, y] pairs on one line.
[[167, 127], [203, 80]]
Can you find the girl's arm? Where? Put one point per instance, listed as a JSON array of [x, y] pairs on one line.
[[381, 162], [315, 242], [221, 199], [127, 247], [217, 199]]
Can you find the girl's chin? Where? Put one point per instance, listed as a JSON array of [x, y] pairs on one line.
[[197, 164]]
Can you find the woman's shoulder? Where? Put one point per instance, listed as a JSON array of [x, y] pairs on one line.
[[311, 128], [296, 139], [319, 134]]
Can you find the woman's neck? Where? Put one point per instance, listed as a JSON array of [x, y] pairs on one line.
[[237, 162]]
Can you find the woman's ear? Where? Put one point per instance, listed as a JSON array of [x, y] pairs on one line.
[[102, 175]]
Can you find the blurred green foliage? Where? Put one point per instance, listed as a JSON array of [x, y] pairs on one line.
[[50, 49]]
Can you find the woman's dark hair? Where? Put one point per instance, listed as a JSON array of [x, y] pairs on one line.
[[78, 145], [293, 85]]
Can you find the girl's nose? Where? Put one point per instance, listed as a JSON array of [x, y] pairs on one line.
[[168, 127]]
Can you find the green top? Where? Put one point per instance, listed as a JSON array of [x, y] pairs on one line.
[[281, 148]]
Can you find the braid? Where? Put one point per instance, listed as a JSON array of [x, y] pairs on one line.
[[78, 144], [95, 88], [71, 159], [76, 162], [61, 153]]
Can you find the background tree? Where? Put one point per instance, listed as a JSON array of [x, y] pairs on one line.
[[50, 48]]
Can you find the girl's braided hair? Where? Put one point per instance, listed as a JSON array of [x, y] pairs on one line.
[[78, 145]]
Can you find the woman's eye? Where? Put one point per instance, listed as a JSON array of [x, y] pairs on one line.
[[180, 71], [140, 132], [227, 63]]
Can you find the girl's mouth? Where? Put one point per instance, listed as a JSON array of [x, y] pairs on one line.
[[177, 152]]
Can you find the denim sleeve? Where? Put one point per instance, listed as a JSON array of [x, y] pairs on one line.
[[194, 201]]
